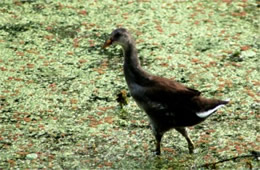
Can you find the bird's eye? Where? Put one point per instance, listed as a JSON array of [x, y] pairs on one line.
[[117, 35]]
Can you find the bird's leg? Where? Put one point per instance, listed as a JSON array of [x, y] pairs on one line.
[[184, 133], [158, 138]]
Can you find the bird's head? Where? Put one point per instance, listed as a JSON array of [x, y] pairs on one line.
[[119, 36]]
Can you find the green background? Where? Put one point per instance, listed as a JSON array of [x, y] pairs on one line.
[[58, 87]]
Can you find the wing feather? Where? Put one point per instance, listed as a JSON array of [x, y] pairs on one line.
[[169, 91]]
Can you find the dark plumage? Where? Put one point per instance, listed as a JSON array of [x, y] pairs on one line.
[[167, 103]]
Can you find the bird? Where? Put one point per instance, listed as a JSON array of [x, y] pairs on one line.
[[167, 103]]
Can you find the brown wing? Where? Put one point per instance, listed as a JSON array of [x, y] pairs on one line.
[[169, 91], [171, 96], [177, 97]]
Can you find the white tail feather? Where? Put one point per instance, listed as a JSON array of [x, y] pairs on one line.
[[227, 100], [208, 112]]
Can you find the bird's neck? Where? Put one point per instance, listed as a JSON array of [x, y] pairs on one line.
[[132, 67], [131, 56]]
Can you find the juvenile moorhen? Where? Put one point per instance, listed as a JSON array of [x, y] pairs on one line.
[[167, 103]]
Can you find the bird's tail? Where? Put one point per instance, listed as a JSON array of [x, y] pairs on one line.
[[209, 106]]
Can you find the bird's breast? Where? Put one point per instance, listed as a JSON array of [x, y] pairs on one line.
[[139, 94], [136, 90]]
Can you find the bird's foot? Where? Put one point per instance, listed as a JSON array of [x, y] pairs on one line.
[[191, 147], [157, 153]]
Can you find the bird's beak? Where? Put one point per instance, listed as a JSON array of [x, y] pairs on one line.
[[107, 43]]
